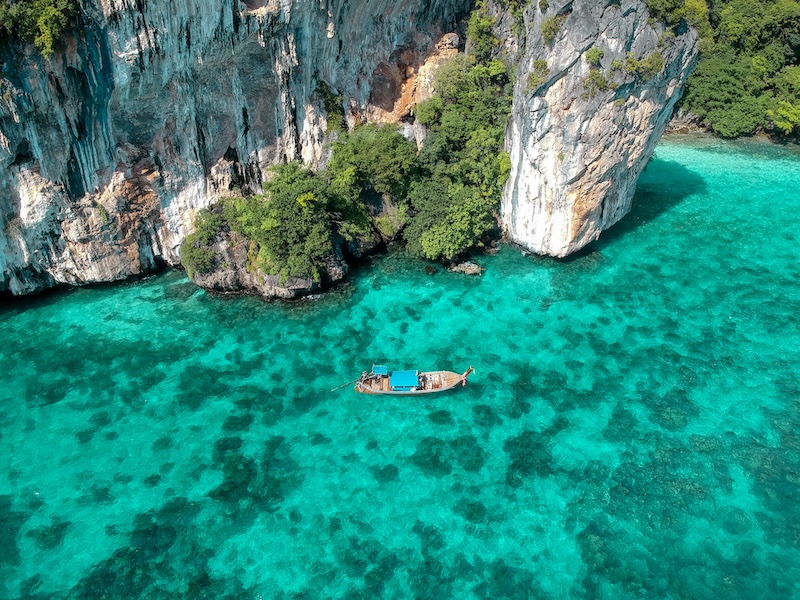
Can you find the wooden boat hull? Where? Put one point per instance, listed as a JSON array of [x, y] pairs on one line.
[[435, 382]]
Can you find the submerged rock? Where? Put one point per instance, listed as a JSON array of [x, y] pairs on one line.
[[468, 268]]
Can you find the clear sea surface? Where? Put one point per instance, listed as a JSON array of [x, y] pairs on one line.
[[632, 429]]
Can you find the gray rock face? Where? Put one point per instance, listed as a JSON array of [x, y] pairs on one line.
[[577, 150], [156, 109]]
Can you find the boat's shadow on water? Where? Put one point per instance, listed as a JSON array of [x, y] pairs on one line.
[[663, 186]]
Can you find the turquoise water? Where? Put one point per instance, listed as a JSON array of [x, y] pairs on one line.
[[631, 430]]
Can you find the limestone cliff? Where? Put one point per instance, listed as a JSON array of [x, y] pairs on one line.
[[155, 109], [583, 127]]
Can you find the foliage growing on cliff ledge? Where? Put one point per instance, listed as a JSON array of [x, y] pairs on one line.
[[593, 56], [538, 74], [445, 195], [289, 227], [481, 40], [462, 161], [550, 28], [646, 68], [41, 22], [197, 255], [694, 12], [333, 107], [595, 83]]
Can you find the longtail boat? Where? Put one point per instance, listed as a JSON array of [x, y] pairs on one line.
[[409, 383]]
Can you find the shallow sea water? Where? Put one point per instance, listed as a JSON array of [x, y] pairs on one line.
[[631, 430]]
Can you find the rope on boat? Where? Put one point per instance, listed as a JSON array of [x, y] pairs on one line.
[[344, 384]]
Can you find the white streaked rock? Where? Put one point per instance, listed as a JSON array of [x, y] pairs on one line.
[[575, 160]]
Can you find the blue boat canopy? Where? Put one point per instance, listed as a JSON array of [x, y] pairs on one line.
[[403, 380], [380, 370]]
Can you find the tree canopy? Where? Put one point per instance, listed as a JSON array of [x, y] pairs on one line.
[[41, 22], [289, 226], [462, 160], [747, 77], [442, 197], [380, 158]]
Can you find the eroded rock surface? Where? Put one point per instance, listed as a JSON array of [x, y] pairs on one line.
[[155, 110], [577, 151]]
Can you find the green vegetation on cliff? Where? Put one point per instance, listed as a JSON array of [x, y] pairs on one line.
[[289, 227], [462, 161], [442, 198], [371, 166], [197, 255], [446, 194], [38, 21], [694, 12], [748, 77], [379, 158]]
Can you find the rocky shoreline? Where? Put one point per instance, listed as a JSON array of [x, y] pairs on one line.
[[684, 122]]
